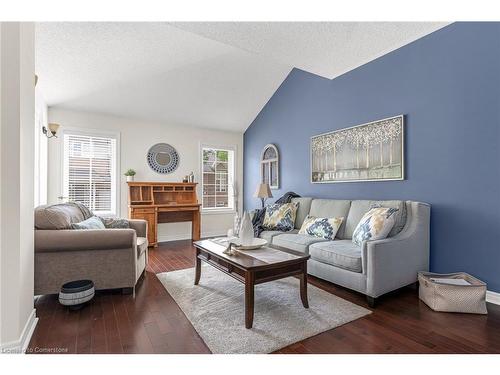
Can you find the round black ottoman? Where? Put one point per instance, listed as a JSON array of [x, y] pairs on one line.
[[75, 293]]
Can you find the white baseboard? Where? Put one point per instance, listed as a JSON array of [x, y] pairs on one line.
[[20, 346], [173, 237], [493, 297], [177, 237]]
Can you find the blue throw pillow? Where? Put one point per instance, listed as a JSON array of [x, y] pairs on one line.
[[280, 216], [321, 227], [91, 223], [374, 225]]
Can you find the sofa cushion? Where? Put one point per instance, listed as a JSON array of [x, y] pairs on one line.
[[91, 223], [361, 207], [269, 234], [302, 210], [339, 253], [297, 242], [57, 216], [331, 208], [142, 245]]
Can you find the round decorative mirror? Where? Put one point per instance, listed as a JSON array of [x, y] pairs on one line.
[[163, 158]]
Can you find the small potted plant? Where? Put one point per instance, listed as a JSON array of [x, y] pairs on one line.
[[130, 175]]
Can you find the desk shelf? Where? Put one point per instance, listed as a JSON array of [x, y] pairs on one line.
[[139, 203]]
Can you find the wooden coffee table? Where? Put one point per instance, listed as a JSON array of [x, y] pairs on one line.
[[252, 267]]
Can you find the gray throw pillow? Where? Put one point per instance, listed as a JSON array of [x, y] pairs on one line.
[[91, 223], [112, 223]]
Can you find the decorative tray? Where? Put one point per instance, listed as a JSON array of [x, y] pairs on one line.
[[257, 243]]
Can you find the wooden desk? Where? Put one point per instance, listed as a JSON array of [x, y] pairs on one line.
[[164, 202]]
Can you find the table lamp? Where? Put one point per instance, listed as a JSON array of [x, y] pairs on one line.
[[263, 192]]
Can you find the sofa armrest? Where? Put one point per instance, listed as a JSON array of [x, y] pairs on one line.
[[140, 226], [394, 262], [84, 239]]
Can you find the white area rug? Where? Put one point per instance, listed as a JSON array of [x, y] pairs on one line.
[[215, 307]]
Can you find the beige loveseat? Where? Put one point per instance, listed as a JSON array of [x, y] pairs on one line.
[[111, 258]]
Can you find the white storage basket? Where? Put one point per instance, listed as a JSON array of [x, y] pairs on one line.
[[453, 298]]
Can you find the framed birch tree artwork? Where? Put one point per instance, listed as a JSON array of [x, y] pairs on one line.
[[369, 152]]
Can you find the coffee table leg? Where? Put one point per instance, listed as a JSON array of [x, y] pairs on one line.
[[303, 287], [197, 268], [249, 299]]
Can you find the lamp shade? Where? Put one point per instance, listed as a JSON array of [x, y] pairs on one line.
[[53, 128], [263, 191]]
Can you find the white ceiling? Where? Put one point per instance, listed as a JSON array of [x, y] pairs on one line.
[[328, 49], [212, 75]]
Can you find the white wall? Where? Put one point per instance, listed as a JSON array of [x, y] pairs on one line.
[[17, 315], [136, 137], [41, 144]]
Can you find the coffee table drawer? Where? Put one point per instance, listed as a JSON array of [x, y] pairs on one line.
[[223, 266]]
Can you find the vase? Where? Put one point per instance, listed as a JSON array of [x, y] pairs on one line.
[[236, 224], [130, 178], [246, 230]]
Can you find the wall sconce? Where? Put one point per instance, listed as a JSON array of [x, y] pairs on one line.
[[53, 130]]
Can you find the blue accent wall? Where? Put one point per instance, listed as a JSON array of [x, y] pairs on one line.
[[447, 85]]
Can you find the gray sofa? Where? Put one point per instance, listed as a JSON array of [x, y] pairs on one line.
[[375, 268], [111, 258]]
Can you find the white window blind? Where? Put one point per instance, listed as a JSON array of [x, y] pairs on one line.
[[218, 177], [90, 172]]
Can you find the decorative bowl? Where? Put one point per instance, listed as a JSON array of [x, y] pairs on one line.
[[256, 243]]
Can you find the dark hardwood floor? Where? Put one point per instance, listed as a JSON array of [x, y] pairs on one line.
[[153, 323]]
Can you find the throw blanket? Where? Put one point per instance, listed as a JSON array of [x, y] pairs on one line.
[[109, 222], [258, 217], [87, 214]]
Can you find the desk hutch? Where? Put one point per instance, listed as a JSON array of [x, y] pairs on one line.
[[164, 202]]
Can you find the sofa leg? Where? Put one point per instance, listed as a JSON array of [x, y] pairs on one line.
[[371, 301], [127, 290]]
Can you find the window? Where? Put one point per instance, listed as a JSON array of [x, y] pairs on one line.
[[217, 165], [90, 169], [269, 166]]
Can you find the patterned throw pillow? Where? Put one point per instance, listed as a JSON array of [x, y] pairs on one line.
[[322, 227], [91, 223], [112, 223], [374, 225], [280, 216]]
